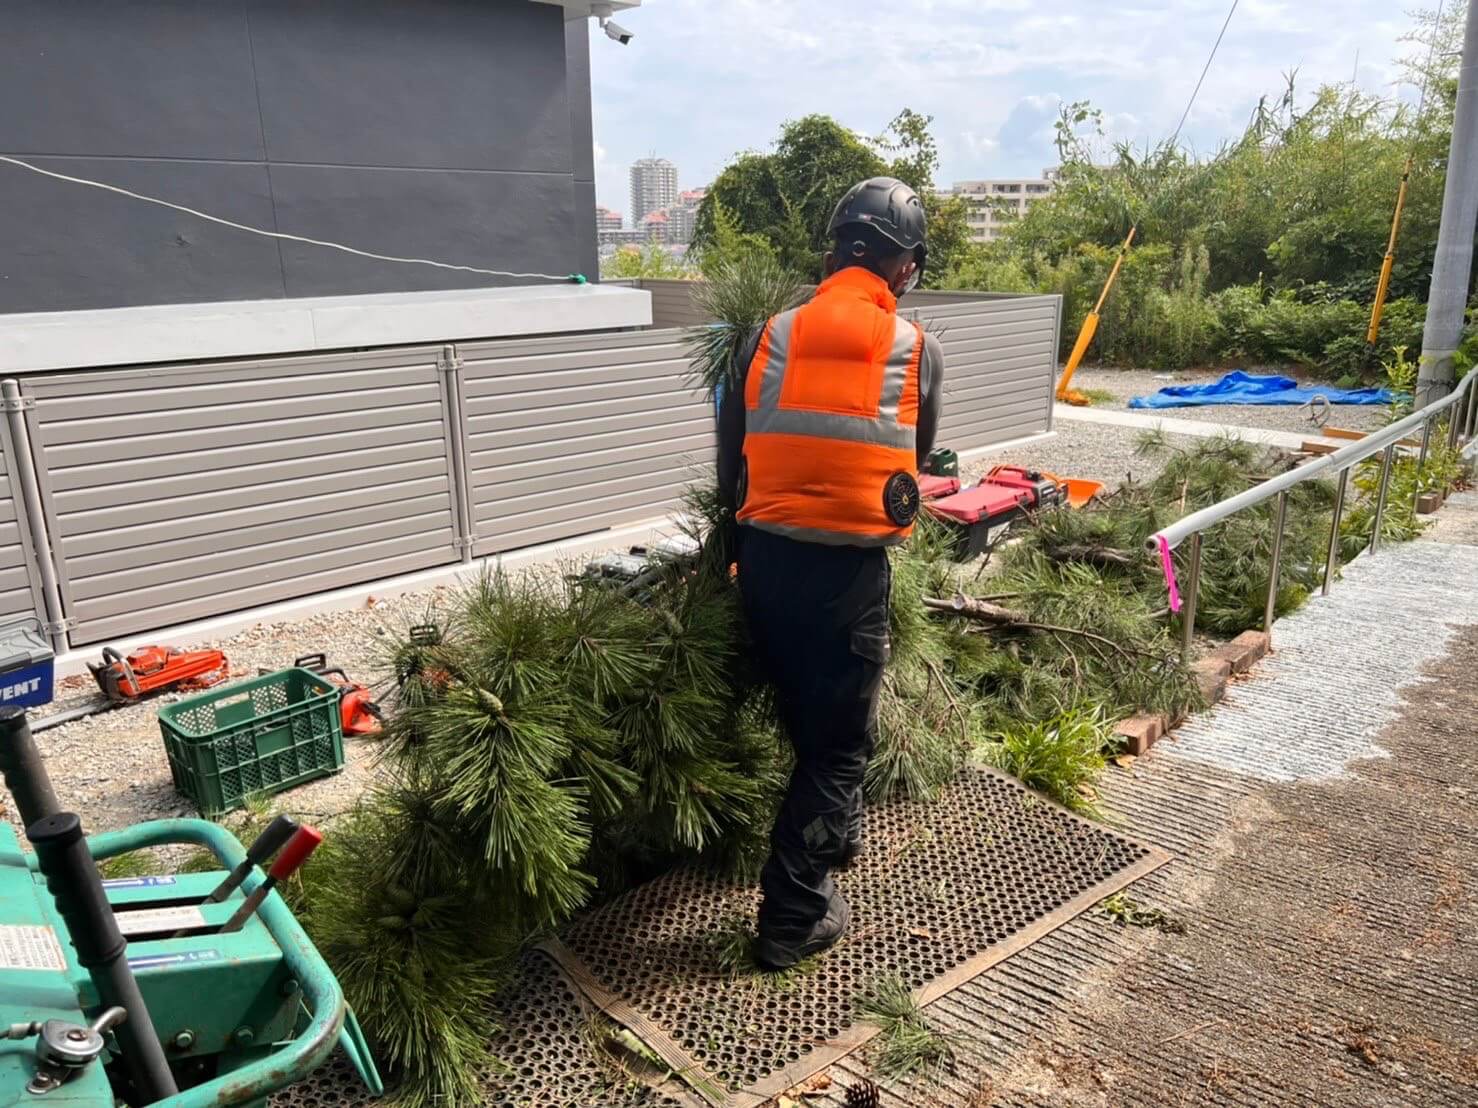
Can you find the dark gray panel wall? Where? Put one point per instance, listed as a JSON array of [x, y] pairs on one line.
[[454, 129]]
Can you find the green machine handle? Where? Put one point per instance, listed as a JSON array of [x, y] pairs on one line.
[[332, 1022]]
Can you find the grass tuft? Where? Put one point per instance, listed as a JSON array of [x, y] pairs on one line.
[[909, 1046], [1059, 757]]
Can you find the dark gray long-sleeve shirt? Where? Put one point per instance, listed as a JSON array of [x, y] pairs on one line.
[[731, 415]]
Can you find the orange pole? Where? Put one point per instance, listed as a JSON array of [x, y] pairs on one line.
[[1090, 328], [1384, 286]]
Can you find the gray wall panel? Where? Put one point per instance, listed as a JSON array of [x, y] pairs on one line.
[[67, 246], [511, 221], [164, 79], [426, 85], [446, 129], [143, 543]]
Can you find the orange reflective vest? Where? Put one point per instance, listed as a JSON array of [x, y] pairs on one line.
[[831, 408]]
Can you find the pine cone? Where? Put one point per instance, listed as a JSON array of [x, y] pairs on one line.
[[864, 1095]]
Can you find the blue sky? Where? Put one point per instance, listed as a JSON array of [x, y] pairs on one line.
[[704, 79]]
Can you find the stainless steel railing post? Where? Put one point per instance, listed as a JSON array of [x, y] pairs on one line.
[[1332, 562], [1380, 501], [1192, 594], [1279, 520]]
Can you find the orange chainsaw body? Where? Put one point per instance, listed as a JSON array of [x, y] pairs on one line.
[[151, 669]]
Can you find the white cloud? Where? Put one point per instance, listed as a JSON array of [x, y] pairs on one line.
[[702, 81]]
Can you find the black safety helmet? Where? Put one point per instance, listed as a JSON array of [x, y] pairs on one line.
[[890, 208]]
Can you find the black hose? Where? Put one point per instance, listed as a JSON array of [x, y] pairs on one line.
[[23, 770], [72, 878]]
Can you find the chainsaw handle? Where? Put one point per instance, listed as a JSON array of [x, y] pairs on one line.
[[318, 663], [112, 658]]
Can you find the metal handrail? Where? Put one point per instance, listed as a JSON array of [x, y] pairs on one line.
[[1464, 402]]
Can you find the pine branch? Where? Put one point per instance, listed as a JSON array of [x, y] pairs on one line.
[[994, 614]]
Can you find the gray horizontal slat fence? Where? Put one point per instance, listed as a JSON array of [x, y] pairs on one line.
[[1000, 359], [177, 493], [20, 588], [572, 436], [174, 493], [672, 303]]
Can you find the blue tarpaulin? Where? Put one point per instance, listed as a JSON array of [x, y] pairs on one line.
[[1249, 388]]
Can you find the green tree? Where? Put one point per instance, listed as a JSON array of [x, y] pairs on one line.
[[787, 196], [651, 261]]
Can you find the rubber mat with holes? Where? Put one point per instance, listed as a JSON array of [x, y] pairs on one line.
[[944, 890], [545, 1055]]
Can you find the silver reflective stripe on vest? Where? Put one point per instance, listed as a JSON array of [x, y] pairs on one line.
[[774, 372], [831, 425], [823, 538], [881, 430], [895, 372]]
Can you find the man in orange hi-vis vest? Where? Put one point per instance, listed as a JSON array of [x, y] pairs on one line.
[[818, 454]]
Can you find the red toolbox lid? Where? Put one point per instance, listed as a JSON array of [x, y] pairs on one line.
[[981, 502], [932, 488]]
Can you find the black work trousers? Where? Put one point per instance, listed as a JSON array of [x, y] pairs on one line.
[[818, 616]]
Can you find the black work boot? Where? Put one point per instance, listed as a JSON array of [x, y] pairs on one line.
[[776, 955]]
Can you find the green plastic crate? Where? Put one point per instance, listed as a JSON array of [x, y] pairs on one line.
[[263, 735]]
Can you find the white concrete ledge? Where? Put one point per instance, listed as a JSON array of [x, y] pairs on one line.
[[36, 341]]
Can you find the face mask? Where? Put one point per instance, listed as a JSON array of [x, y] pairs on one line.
[[909, 284]]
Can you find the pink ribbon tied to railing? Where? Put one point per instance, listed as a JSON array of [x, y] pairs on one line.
[[1168, 566]]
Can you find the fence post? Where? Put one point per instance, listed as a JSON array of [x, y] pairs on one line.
[[449, 368], [55, 621]]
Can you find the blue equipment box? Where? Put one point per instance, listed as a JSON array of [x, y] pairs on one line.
[[26, 663]]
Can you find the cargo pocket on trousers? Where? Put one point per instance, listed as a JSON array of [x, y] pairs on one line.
[[872, 644]]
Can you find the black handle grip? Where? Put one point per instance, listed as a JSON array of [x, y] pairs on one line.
[[271, 840], [311, 661], [72, 878]]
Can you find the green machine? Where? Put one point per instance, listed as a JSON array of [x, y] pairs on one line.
[[181, 991]]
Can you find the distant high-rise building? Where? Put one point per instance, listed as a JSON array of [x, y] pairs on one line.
[[653, 187], [606, 220], [682, 217], [995, 204]]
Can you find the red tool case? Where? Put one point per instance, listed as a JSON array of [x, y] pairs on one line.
[[980, 516], [1045, 492], [932, 488]]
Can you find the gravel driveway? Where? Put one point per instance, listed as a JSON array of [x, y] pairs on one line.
[[1125, 383]]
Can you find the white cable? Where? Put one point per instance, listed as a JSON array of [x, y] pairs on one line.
[[279, 234], [1204, 70]]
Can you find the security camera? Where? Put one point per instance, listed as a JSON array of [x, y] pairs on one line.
[[614, 31]]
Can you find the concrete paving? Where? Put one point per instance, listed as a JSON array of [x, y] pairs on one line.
[[1200, 428], [1317, 946]]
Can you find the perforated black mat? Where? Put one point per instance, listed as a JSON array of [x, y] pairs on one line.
[[945, 890], [545, 1052]]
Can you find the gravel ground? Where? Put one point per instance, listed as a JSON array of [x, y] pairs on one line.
[[1093, 451], [112, 767], [1125, 383]]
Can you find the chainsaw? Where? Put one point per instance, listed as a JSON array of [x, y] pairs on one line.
[[358, 712], [144, 672], [152, 669]]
